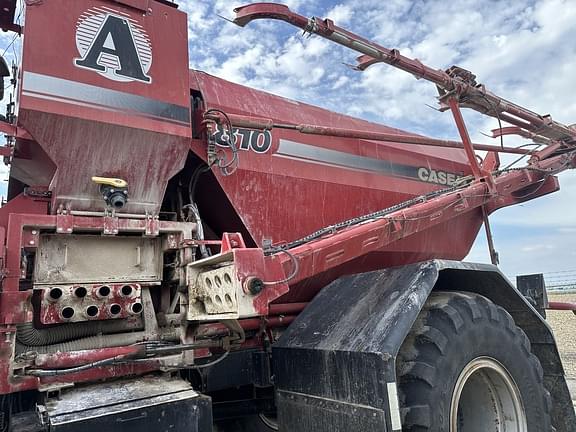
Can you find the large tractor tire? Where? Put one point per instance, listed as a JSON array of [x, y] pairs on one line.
[[467, 367]]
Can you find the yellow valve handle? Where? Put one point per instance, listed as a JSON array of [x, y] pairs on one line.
[[108, 181]]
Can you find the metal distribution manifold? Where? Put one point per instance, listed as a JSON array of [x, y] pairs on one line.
[[74, 303], [86, 277], [215, 291]]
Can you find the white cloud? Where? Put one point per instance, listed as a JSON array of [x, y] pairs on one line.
[[340, 14], [538, 247], [526, 251]]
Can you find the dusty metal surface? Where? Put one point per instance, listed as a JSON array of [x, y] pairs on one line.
[[420, 221], [77, 259], [104, 124], [145, 404], [350, 333], [215, 291], [75, 400], [84, 119], [309, 171]]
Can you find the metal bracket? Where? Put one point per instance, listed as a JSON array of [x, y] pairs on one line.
[[30, 238], [64, 223], [232, 241], [152, 226], [110, 225], [463, 131], [38, 193], [533, 288]]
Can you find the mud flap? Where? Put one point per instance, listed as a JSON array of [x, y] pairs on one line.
[[335, 365]]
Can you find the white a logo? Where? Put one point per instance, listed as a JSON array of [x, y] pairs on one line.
[[114, 45]]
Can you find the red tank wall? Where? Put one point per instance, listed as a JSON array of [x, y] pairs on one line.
[[304, 182]]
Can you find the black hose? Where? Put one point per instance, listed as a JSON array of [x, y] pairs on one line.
[[27, 334], [87, 343], [57, 372], [98, 341]]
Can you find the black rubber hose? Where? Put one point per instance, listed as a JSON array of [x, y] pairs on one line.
[[27, 334], [97, 342], [87, 343]]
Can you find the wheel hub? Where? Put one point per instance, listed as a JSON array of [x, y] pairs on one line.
[[486, 399]]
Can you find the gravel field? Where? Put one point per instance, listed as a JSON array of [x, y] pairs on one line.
[[564, 325]]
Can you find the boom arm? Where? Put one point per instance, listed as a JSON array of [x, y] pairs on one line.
[[453, 82], [343, 242]]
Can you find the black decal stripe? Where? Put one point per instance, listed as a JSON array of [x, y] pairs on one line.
[[323, 156], [89, 94], [102, 107]]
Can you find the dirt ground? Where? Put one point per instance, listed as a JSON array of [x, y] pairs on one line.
[[564, 325]]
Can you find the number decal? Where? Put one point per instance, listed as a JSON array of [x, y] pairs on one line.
[[246, 139]]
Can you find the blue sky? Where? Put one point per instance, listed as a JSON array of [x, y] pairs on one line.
[[522, 50]]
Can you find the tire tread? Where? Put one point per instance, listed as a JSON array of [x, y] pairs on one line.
[[442, 319]]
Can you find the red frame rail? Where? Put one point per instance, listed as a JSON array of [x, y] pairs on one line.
[[562, 306]]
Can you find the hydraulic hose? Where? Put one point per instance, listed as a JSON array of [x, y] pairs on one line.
[[27, 334], [87, 343], [97, 342]]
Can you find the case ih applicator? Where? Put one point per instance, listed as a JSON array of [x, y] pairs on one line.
[[183, 253]]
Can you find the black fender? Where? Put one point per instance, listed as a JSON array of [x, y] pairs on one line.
[[335, 366]]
